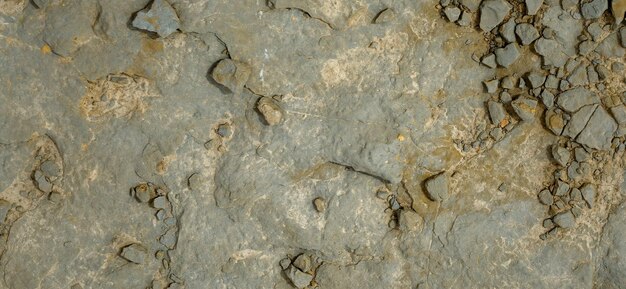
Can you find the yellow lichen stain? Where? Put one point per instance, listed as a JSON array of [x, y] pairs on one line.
[[151, 46], [401, 138], [504, 122], [154, 22], [45, 49], [84, 147], [161, 167]]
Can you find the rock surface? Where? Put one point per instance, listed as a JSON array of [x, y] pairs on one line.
[[312, 144]]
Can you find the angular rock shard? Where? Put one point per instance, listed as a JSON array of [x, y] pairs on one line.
[[160, 18]]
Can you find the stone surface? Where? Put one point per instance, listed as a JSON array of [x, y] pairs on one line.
[[144, 157], [492, 13], [437, 187], [527, 33], [160, 17], [134, 253], [599, 130], [507, 55]]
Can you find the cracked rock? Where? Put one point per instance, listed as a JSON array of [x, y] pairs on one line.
[[574, 99], [599, 130]]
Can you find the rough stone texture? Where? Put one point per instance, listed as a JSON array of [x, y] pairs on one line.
[[492, 13], [160, 17], [111, 136]]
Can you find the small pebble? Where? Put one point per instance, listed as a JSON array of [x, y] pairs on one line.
[[320, 204]]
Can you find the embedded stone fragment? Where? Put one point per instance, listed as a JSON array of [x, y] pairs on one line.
[[618, 8], [547, 98], [160, 202], [599, 130], [565, 220], [581, 155], [42, 183], [496, 112], [594, 9], [298, 278], [622, 33], [232, 74], [536, 79], [492, 13], [527, 33], [4, 209], [490, 61], [302, 262], [532, 6], [525, 108], [579, 120], [551, 52], [507, 30], [555, 121], [562, 189], [561, 155], [134, 253], [588, 192], [507, 55], [578, 77], [491, 85], [437, 187], [545, 197], [574, 99], [270, 110], [472, 5], [320, 204], [619, 113], [160, 17], [168, 239], [452, 13]]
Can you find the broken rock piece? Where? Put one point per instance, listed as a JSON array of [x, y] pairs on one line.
[[437, 187], [160, 18], [232, 74], [527, 33], [507, 55], [599, 130], [594, 9], [588, 192], [525, 108], [298, 278], [270, 110], [532, 6], [492, 13], [134, 253], [574, 99], [565, 220]]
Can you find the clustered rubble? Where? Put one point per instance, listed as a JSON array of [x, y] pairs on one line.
[[579, 88]]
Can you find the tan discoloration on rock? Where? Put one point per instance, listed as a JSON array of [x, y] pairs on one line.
[[115, 96]]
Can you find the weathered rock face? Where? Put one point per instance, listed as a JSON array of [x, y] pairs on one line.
[[311, 144]]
